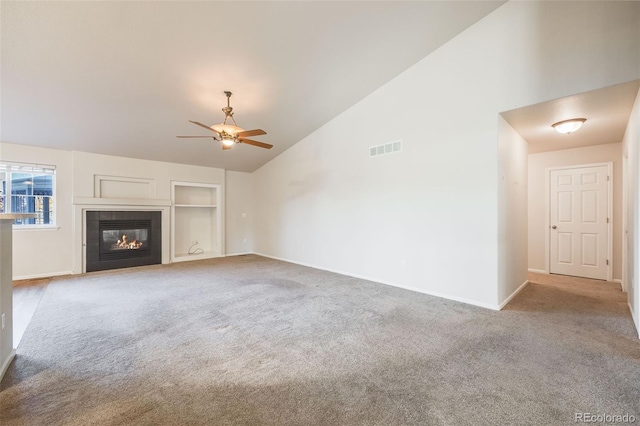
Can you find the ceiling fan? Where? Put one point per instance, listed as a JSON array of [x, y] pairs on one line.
[[229, 134]]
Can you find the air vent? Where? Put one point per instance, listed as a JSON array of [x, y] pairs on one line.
[[388, 148]]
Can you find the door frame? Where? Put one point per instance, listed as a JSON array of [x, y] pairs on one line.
[[547, 219], [625, 221]]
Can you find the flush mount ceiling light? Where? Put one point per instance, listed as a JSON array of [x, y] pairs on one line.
[[568, 126], [231, 134]]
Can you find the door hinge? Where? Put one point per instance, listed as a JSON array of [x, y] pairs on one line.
[[607, 261], [607, 177], [607, 220]]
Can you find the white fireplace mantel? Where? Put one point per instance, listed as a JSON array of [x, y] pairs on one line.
[[120, 202]]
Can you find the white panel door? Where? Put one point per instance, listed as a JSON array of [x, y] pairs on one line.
[[578, 241]]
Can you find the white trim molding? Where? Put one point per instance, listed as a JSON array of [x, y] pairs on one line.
[[537, 271], [633, 318], [45, 275], [121, 202], [6, 363], [518, 290]]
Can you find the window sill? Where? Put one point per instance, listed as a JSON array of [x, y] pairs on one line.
[[35, 227]]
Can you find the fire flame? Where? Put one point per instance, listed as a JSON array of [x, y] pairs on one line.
[[125, 244]]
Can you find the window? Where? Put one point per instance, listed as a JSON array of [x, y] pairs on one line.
[[28, 188]]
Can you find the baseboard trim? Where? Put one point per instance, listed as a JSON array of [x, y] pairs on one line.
[[38, 276], [238, 254], [634, 319], [617, 280], [518, 290], [392, 284], [537, 271], [6, 363]]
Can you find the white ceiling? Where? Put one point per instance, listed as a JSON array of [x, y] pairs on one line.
[[607, 111], [123, 78]]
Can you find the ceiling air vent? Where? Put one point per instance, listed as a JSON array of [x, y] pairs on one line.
[[388, 148]]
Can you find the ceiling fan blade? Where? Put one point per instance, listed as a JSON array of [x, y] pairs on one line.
[[202, 125], [255, 132], [255, 143], [224, 147], [196, 137]]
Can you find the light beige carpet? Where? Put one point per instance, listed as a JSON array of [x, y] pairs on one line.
[[251, 341]]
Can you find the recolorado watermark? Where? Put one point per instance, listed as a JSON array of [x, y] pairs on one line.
[[603, 418]]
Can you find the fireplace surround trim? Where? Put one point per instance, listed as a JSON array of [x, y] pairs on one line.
[[83, 204], [97, 222]]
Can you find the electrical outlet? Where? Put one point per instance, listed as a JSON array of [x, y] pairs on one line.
[[3, 321]]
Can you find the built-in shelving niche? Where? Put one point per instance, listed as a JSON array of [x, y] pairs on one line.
[[195, 217]]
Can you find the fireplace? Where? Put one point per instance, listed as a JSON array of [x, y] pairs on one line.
[[122, 239]]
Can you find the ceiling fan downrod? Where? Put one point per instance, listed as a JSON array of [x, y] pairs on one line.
[[228, 111]]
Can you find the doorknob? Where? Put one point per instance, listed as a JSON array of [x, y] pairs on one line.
[[553, 227]]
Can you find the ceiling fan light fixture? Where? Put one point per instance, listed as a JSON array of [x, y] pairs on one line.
[[231, 134], [227, 128], [568, 126]]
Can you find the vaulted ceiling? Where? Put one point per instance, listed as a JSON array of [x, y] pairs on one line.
[[123, 78]]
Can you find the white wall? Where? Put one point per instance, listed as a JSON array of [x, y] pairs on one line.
[[44, 252], [427, 218], [87, 165], [538, 163], [55, 251], [155, 184], [512, 212], [630, 145], [239, 212]]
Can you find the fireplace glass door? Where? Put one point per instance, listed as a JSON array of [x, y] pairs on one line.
[[120, 239], [125, 239]]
